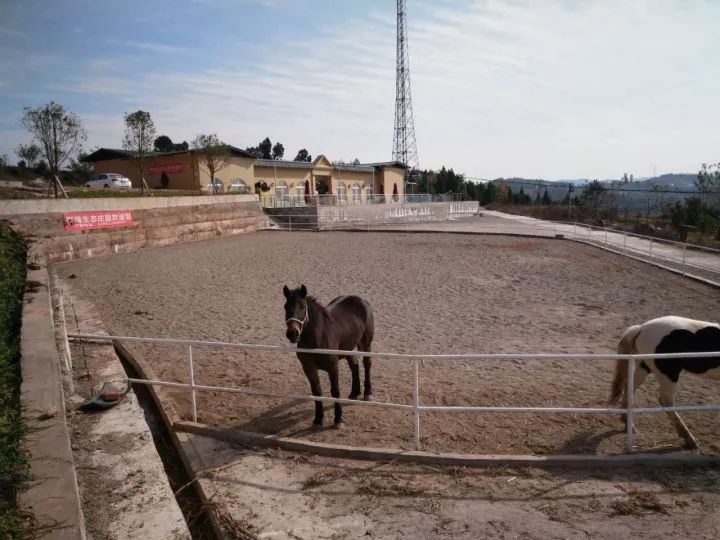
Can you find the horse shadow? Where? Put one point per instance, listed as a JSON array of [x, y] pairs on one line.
[[285, 418], [586, 441]]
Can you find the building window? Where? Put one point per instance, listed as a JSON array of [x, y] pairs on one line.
[[300, 190], [342, 192], [281, 189], [238, 186], [356, 191], [216, 186]]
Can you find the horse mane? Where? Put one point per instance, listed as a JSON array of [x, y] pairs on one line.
[[316, 309]]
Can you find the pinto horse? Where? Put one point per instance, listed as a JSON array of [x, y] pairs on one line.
[[344, 324], [668, 335]]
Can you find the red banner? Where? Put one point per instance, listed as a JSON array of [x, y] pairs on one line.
[[83, 221], [170, 169]]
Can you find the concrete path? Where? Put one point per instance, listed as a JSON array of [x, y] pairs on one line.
[[52, 495], [703, 263], [124, 489]]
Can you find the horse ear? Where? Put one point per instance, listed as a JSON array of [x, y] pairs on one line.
[[286, 291], [303, 291]]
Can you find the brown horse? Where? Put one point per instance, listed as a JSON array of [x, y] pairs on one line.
[[344, 324]]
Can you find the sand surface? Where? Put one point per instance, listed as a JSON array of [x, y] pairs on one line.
[[431, 294]]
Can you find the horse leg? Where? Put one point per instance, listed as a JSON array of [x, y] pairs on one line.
[[311, 372], [641, 373], [355, 371], [667, 399], [335, 391], [364, 346], [367, 364]]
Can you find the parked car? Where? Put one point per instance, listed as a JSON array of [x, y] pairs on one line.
[[109, 180]]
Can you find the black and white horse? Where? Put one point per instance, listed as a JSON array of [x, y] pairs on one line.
[[668, 335]]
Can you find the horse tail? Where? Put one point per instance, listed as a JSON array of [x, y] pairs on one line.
[[626, 346]]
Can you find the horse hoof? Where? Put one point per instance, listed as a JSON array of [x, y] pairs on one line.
[[316, 426], [691, 445], [353, 396], [339, 425], [368, 397]]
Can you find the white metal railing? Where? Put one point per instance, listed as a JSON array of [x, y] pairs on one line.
[[416, 407], [682, 255], [350, 199], [401, 215]]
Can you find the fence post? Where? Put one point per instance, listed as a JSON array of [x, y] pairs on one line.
[[575, 229], [416, 404], [629, 391], [625, 242], [683, 259], [193, 403], [606, 236], [651, 244], [290, 217]]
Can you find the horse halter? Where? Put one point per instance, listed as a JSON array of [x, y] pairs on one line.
[[301, 323]]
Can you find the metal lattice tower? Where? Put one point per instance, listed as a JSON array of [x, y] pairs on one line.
[[404, 145]]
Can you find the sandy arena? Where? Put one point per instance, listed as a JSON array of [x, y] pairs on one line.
[[431, 293]]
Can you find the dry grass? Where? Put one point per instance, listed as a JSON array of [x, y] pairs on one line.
[[239, 529], [390, 486], [639, 503]]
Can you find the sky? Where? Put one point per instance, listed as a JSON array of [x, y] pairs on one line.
[[552, 89]]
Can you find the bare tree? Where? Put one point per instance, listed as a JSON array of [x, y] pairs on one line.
[[139, 138], [58, 132], [29, 153], [213, 152]]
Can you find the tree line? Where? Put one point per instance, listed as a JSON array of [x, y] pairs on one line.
[[58, 136]]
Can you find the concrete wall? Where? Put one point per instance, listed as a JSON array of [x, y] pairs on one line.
[[392, 177], [43, 206], [187, 178], [333, 217], [157, 222], [236, 167]]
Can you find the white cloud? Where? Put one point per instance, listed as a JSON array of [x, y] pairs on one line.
[[151, 47], [550, 89]]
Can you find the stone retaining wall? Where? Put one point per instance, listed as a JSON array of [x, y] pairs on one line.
[[167, 222]]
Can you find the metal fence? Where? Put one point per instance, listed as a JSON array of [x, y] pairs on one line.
[[686, 258], [683, 257], [416, 407], [354, 199]]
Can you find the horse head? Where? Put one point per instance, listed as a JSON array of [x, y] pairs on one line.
[[296, 312]]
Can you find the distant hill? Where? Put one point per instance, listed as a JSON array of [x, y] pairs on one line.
[[623, 192]]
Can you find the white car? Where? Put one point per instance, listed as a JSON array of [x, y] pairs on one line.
[[109, 180]]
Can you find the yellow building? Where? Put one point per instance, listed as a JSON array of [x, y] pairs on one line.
[[289, 182]]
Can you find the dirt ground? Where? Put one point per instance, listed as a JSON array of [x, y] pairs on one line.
[[431, 293], [283, 495]]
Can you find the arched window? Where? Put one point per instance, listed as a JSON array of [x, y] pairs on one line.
[[369, 194], [239, 186], [281, 189], [300, 190], [395, 195], [216, 186], [356, 193], [342, 192]]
